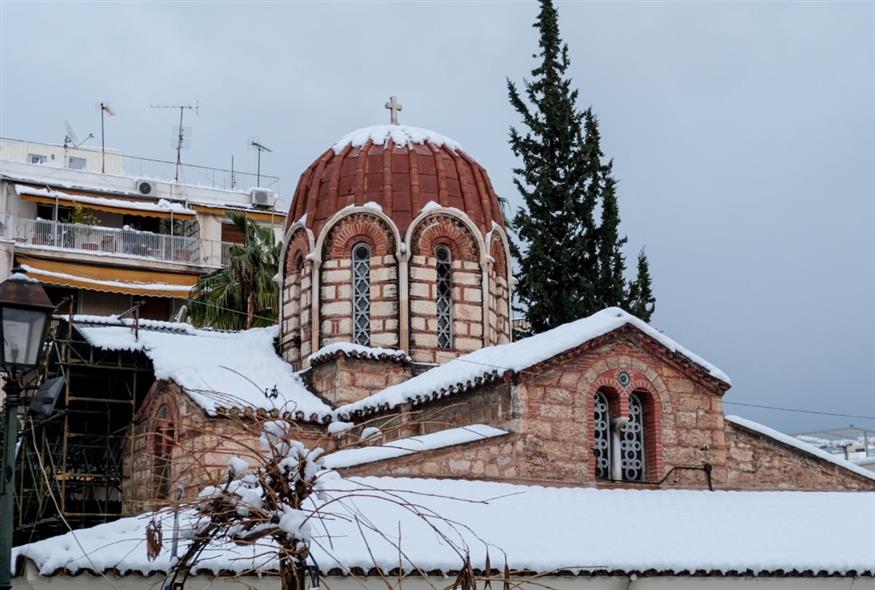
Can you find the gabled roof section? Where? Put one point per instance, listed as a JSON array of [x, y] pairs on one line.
[[403, 447], [495, 362], [795, 443], [220, 371]]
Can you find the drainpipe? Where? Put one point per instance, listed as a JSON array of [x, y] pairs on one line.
[[618, 424]]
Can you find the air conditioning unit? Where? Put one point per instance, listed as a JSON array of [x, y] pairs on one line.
[[261, 197], [147, 187]]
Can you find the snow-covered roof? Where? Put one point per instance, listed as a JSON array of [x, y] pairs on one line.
[[493, 362], [218, 370], [400, 135], [162, 205], [357, 351], [792, 441], [557, 530], [414, 444]]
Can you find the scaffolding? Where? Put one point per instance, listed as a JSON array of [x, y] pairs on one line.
[[71, 464]]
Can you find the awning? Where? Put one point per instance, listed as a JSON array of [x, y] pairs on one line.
[[274, 217], [128, 281], [141, 208]]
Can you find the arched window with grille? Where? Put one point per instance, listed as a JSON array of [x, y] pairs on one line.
[[602, 440], [444, 297], [361, 294], [632, 441]]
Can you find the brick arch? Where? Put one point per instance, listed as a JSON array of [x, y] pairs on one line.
[[618, 397], [355, 228], [499, 255], [442, 229], [299, 247]]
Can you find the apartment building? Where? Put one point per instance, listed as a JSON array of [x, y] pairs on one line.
[[107, 230]]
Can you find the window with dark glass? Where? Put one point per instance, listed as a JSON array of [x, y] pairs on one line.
[[632, 442], [602, 440], [444, 297], [361, 294], [618, 441]]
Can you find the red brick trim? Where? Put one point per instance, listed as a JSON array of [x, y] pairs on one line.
[[359, 227], [447, 230]]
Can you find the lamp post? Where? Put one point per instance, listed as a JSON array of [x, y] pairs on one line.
[[24, 320]]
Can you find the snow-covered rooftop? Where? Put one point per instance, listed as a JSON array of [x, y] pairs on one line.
[[400, 135], [216, 369], [494, 361], [561, 530], [408, 446], [357, 351], [794, 442], [162, 205]]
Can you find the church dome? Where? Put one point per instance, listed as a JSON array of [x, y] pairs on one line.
[[400, 168]]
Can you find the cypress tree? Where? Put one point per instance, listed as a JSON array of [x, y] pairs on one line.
[[639, 299], [569, 266]]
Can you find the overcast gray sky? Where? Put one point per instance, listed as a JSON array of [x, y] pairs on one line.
[[743, 136]]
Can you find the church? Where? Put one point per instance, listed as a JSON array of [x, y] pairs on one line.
[[394, 353]]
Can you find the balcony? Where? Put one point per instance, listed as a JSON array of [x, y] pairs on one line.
[[119, 242]]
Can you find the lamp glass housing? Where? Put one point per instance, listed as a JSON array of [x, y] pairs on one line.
[[23, 331]]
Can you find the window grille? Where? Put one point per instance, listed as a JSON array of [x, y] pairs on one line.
[[444, 298], [602, 442], [361, 294], [632, 442]]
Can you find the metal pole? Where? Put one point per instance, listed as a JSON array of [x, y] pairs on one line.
[[102, 142], [7, 485], [258, 172], [179, 145]]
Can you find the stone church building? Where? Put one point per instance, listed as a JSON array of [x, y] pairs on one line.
[[394, 353]]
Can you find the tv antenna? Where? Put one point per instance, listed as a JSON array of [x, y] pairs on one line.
[[182, 135], [260, 147], [104, 108]]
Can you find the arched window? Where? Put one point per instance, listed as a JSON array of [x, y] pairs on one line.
[[444, 297], [361, 294], [632, 442], [162, 449], [302, 310], [602, 443]]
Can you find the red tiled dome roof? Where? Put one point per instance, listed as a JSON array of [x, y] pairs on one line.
[[401, 169]]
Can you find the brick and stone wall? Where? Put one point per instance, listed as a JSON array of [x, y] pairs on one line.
[[467, 289], [756, 461], [342, 380], [498, 330], [296, 301], [198, 447], [335, 309]]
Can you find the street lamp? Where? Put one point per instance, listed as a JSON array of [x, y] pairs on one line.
[[24, 320]]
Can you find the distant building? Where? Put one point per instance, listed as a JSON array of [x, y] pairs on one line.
[[133, 233]]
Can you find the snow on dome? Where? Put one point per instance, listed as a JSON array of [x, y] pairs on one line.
[[539, 529], [400, 135], [493, 361], [218, 370]]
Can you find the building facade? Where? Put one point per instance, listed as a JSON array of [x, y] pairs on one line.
[[107, 230]]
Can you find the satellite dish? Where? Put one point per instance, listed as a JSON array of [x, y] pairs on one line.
[[71, 138], [71, 135], [46, 397]]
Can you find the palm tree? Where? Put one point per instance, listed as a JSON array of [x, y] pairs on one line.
[[242, 295]]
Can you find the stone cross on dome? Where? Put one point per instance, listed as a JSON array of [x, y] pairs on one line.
[[393, 106]]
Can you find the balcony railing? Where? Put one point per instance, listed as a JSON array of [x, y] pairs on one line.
[[114, 241]]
